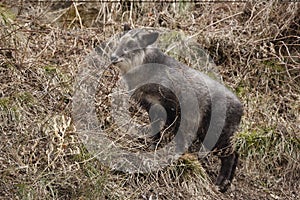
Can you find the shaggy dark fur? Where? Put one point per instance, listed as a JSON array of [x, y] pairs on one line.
[[141, 63]]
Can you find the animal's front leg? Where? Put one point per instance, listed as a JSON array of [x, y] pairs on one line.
[[158, 117]]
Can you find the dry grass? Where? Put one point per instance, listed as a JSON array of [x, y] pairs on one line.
[[255, 46]]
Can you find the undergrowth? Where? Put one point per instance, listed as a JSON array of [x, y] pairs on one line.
[[255, 48]]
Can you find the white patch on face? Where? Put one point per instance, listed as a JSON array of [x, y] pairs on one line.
[[124, 66], [138, 58], [128, 64]]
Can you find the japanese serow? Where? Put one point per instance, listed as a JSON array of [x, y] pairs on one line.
[[179, 96]]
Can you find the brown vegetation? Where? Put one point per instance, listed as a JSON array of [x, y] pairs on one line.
[[42, 45]]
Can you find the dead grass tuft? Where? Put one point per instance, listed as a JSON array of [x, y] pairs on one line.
[[255, 46]]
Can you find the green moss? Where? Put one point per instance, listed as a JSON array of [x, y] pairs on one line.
[[269, 146], [212, 75], [23, 191], [7, 65], [58, 75], [184, 7], [249, 143], [9, 110], [186, 167], [240, 90], [50, 69], [25, 97], [167, 39], [169, 43], [274, 66], [6, 16], [4, 102], [90, 168], [95, 172]]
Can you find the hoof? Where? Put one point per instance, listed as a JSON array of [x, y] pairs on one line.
[[223, 187]]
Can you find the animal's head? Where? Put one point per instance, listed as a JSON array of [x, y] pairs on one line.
[[131, 49]]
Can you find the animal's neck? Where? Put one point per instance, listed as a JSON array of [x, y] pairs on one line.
[[154, 55]]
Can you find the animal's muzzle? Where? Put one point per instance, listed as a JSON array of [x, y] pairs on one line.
[[114, 59]]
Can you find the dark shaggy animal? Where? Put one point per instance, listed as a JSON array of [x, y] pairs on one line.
[[177, 96]]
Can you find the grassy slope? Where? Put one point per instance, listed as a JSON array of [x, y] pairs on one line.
[[42, 46]]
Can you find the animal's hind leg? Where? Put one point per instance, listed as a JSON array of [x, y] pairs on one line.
[[228, 166]]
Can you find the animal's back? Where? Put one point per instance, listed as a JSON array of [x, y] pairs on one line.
[[219, 109]]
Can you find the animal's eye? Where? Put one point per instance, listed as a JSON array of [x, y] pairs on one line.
[[125, 49]]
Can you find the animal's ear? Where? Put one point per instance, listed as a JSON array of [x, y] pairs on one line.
[[126, 27], [149, 38]]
